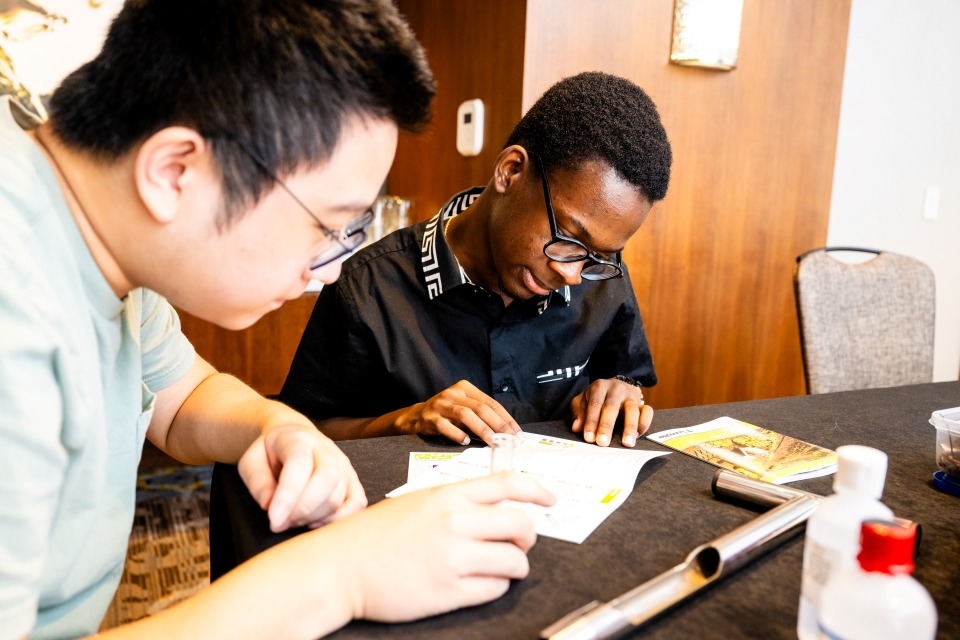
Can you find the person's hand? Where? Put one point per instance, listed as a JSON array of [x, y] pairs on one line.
[[300, 477], [595, 412], [458, 411], [437, 550]]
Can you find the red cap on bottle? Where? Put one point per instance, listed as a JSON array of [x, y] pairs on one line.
[[887, 547]]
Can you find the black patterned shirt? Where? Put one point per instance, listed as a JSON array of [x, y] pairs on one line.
[[404, 322]]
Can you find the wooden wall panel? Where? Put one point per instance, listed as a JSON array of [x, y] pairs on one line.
[[475, 48], [260, 355], [753, 164]]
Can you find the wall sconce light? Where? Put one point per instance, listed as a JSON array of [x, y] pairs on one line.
[[706, 33]]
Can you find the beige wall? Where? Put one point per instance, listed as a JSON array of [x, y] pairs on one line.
[[899, 134]]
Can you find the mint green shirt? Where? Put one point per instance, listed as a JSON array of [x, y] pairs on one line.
[[78, 373]]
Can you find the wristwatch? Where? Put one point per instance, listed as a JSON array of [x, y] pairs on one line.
[[629, 380]]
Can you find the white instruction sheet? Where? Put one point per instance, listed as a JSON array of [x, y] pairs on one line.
[[590, 482]]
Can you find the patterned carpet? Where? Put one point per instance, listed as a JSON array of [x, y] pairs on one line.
[[168, 558]]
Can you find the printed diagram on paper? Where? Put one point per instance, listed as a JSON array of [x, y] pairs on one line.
[[590, 482]]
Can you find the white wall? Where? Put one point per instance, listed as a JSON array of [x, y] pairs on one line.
[[899, 134]]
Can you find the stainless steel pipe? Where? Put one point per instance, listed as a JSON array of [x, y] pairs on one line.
[[757, 492], [732, 485], [704, 565]]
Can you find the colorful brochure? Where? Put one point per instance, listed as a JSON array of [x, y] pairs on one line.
[[750, 450]]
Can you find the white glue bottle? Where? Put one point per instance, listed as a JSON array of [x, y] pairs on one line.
[[832, 539], [879, 600]]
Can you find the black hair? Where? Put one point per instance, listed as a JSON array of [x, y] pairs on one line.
[[277, 76], [598, 116]]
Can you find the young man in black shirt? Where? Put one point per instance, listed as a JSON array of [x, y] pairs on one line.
[[512, 304]]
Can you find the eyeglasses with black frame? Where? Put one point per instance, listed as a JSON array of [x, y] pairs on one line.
[[345, 240], [561, 248]]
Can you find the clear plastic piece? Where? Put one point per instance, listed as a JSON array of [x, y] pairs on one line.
[[503, 448]]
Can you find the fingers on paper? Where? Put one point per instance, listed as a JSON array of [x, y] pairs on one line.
[[646, 419], [493, 519], [636, 421], [464, 409], [600, 412], [576, 410], [599, 407], [505, 486], [631, 422]]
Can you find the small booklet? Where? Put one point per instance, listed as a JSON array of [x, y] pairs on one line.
[[750, 450]]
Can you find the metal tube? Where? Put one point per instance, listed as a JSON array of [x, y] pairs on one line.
[[736, 548], [757, 492], [733, 485], [704, 565]]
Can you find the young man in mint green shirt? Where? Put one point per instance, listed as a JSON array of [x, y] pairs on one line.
[[219, 156]]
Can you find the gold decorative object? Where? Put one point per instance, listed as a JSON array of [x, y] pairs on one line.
[[10, 85], [706, 33], [40, 46], [21, 19]]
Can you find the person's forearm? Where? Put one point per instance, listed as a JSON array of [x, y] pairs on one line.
[[277, 594], [221, 418], [395, 423]]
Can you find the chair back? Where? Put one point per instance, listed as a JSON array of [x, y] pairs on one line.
[[864, 325]]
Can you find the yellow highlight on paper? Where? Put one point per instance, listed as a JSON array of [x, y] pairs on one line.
[[607, 499], [429, 455], [554, 443]]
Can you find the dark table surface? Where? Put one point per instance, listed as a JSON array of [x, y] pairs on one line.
[[671, 511]]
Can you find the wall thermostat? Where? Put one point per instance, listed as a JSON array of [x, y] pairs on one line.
[[470, 127]]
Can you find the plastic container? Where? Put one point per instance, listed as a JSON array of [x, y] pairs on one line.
[[879, 599], [947, 422], [832, 539]]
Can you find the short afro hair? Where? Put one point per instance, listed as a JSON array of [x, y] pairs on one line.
[[598, 116]]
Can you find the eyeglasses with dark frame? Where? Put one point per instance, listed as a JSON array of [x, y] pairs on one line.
[[345, 241], [561, 248]]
